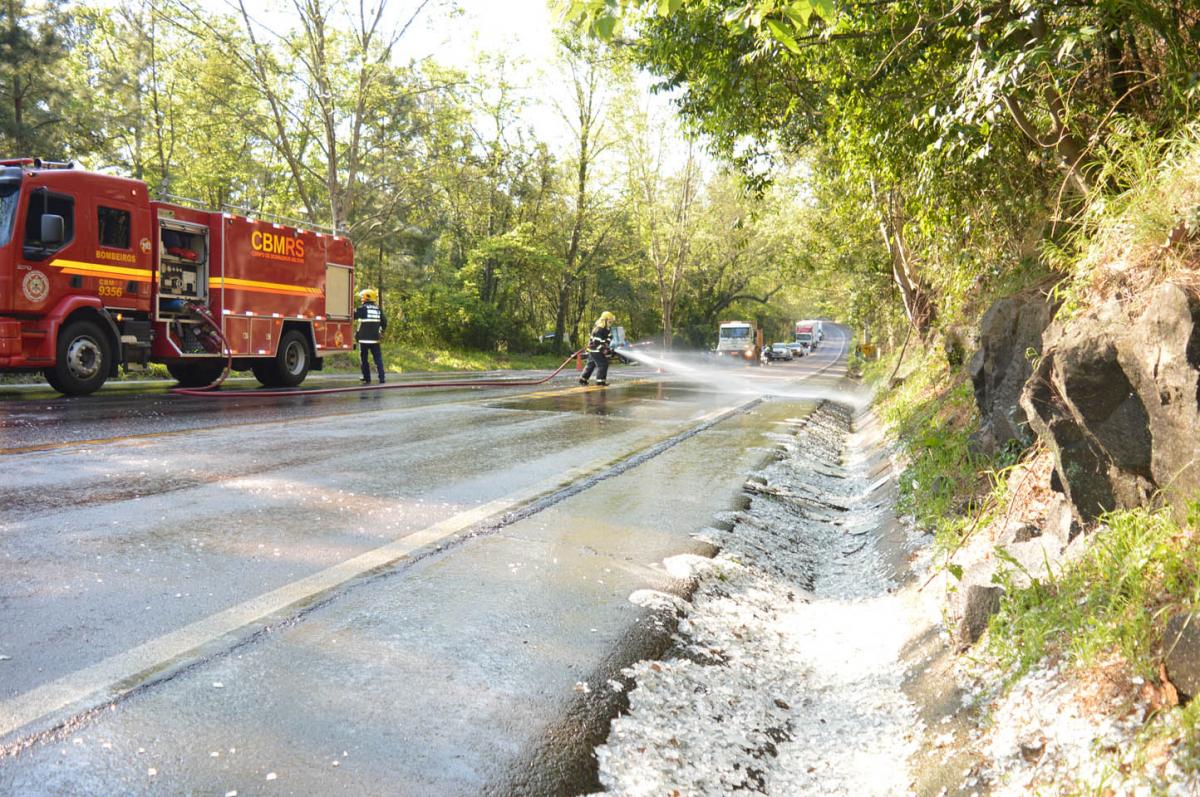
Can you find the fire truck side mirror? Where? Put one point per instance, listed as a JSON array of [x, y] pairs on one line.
[[54, 230]]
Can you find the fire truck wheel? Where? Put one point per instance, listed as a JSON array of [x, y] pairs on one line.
[[84, 358], [196, 374], [264, 372], [290, 365]]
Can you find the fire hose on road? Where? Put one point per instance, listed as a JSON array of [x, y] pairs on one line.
[[213, 391]]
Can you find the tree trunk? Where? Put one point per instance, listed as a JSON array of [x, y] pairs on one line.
[[914, 294], [585, 73], [1067, 146], [560, 314]]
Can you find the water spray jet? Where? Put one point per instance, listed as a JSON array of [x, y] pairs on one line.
[[701, 368]]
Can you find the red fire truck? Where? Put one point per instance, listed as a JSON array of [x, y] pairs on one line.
[[95, 275]]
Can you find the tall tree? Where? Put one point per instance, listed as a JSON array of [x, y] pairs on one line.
[[588, 67], [663, 205], [320, 88], [32, 84]]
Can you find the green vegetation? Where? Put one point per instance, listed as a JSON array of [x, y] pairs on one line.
[[965, 138], [403, 359], [489, 233], [932, 414], [1125, 241], [907, 161], [1115, 598]]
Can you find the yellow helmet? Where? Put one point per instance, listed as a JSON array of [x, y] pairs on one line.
[[606, 319], [368, 295]]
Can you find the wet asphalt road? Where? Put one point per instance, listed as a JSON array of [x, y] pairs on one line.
[[419, 592]]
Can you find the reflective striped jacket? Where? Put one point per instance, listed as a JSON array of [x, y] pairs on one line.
[[600, 340], [371, 323]]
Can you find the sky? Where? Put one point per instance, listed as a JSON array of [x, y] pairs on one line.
[[518, 26], [523, 29], [455, 32]]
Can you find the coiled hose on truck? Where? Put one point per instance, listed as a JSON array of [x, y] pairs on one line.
[[212, 390]]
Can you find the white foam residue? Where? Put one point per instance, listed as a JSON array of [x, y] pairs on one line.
[[788, 675]]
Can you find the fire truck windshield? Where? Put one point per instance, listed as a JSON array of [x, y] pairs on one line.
[[10, 192]]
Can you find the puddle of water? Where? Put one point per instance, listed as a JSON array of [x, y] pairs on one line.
[[645, 400]]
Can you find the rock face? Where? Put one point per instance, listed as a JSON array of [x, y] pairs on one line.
[[1040, 557], [1181, 653], [977, 603], [1010, 329], [1117, 399]]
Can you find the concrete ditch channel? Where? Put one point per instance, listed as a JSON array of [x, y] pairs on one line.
[[806, 660]]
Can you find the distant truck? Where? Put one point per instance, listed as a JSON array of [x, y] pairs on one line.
[[94, 275], [806, 335], [817, 328], [739, 340]]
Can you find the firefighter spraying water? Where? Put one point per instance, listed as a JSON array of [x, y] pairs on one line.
[[599, 348]]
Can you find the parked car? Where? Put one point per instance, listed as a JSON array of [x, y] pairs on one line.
[[777, 352], [798, 349]]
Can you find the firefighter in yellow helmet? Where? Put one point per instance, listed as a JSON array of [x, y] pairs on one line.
[[370, 324], [599, 347]]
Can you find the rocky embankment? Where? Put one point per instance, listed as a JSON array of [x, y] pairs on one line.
[[1105, 406], [1111, 397]]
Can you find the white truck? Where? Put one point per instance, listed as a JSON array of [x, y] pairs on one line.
[[810, 332], [739, 340], [818, 328]]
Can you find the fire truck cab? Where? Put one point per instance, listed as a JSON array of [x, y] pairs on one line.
[[94, 275]]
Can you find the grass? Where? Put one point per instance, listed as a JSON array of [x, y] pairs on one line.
[[932, 415], [1124, 242], [1116, 598], [396, 359]]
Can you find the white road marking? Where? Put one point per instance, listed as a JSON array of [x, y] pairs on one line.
[[116, 676]]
